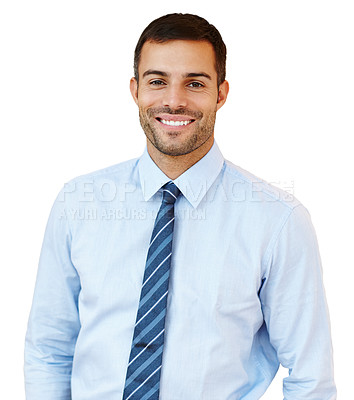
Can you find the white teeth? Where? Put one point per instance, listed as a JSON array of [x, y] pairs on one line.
[[175, 123]]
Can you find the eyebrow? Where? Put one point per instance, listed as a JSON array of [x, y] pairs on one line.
[[189, 75]]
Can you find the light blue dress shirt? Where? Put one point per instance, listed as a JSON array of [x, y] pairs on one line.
[[245, 292]]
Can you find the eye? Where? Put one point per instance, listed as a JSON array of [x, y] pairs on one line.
[[157, 82], [195, 85]]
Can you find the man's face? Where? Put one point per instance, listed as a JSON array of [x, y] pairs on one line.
[[178, 95]]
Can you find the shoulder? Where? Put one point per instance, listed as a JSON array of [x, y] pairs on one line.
[[106, 181], [261, 203], [115, 171], [252, 188]]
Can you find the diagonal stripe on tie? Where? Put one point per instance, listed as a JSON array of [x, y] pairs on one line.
[[151, 392], [146, 380], [156, 269], [143, 365], [145, 361], [142, 351], [158, 248], [155, 305], [160, 231], [151, 290], [154, 326]]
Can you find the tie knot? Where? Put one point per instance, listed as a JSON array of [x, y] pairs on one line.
[[170, 193]]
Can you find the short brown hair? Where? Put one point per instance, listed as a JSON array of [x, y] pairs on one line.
[[183, 27]]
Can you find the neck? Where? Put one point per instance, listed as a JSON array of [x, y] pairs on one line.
[[174, 166]]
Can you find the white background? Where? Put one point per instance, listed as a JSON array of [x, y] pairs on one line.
[[65, 110]]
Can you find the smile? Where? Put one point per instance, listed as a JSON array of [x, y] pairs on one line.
[[174, 123]]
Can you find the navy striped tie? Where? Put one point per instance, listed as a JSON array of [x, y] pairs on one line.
[[144, 368]]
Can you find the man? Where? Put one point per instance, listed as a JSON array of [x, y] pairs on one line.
[[122, 311]]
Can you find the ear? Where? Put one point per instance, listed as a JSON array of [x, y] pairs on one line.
[[222, 96], [134, 89]]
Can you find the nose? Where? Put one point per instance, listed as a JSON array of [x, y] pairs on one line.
[[174, 97]]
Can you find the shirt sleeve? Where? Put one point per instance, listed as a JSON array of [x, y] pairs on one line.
[[295, 311], [54, 320]]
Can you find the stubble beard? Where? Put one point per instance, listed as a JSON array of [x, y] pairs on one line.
[[201, 133]]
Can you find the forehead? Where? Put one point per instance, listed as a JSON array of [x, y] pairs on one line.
[[179, 56]]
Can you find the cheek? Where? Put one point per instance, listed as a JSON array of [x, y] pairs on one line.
[[206, 103], [147, 99]]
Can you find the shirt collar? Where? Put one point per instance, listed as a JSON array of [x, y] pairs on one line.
[[193, 183]]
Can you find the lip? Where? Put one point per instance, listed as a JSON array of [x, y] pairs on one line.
[[170, 117], [177, 118]]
